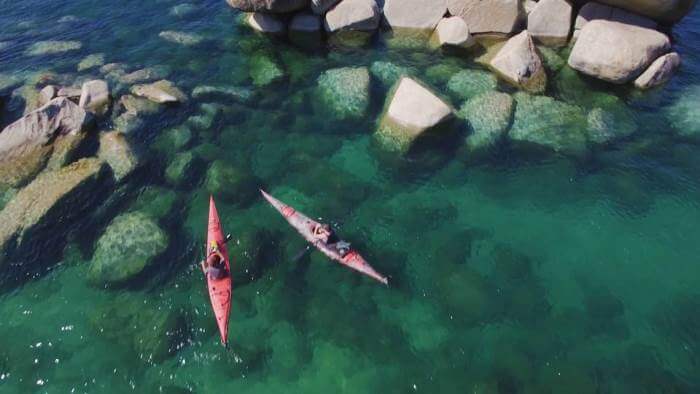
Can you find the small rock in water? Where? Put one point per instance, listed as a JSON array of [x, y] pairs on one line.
[[236, 93], [264, 70], [344, 92], [91, 61], [95, 96], [52, 47], [161, 92], [116, 151], [145, 74], [129, 245], [181, 38], [182, 10], [659, 72], [68, 19], [453, 31], [519, 64], [469, 83]]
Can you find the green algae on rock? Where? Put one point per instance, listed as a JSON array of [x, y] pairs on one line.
[[116, 151], [469, 83], [181, 168], [154, 201], [264, 70], [129, 245], [549, 123], [389, 73], [343, 93], [490, 116], [232, 184]]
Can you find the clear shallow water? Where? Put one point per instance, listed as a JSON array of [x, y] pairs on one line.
[[513, 274]]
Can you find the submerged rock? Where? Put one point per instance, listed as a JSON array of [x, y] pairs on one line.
[[161, 92], [264, 70], [606, 124], [182, 10], [239, 94], [144, 75], [129, 245], [414, 14], [441, 73], [95, 96], [178, 37], [550, 22], [469, 83], [353, 15], [519, 63], [91, 61], [684, 114], [181, 168], [156, 202], [270, 6], [230, 183], [116, 151], [546, 122], [501, 16], [616, 52], [138, 106], [412, 111], [659, 72], [266, 23], [344, 92], [53, 197], [25, 145], [389, 73], [490, 116], [453, 32], [41, 48], [173, 140]]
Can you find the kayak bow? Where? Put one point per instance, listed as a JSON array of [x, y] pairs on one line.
[[305, 227], [219, 289]]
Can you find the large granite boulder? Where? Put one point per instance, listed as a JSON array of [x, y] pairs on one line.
[[353, 15], [414, 14], [27, 144], [412, 111], [550, 22], [659, 72], [161, 92], [595, 11], [489, 116], [665, 11], [271, 6], [343, 93], [95, 96], [54, 198], [130, 243], [544, 122], [453, 32], [519, 63], [232, 184], [616, 52], [492, 16], [116, 151], [319, 7]]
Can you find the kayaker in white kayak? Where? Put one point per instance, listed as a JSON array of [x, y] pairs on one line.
[[325, 234], [214, 265]]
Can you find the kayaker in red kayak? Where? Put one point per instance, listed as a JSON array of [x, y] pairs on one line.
[[325, 234], [214, 265]]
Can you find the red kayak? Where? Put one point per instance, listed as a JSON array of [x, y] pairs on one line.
[[305, 227], [219, 289]]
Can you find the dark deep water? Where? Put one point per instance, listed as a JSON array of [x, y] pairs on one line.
[[514, 274]]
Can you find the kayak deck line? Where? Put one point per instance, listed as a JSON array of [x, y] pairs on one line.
[[304, 225]]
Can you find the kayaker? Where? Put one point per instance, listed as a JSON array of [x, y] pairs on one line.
[[215, 265], [327, 235]]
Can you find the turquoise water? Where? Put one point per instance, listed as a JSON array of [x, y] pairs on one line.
[[520, 272]]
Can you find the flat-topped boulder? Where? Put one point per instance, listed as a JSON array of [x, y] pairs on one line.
[[519, 63], [453, 32], [492, 16], [353, 15], [26, 144], [161, 92], [660, 71], [270, 6], [95, 96], [53, 197], [616, 52], [344, 92], [412, 111], [550, 22], [414, 14], [266, 23]]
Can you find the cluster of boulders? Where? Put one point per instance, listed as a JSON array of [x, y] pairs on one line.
[[618, 45], [49, 166]]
